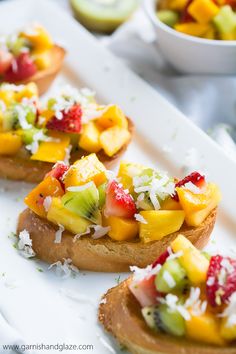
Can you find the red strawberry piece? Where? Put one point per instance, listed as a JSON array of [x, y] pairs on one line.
[[161, 259], [145, 291], [185, 16], [21, 68], [118, 202], [58, 171], [195, 177], [70, 121], [221, 280], [5, 61]]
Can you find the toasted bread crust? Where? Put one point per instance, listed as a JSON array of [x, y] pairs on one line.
[[44, 78], [120, 315], [21, 168], [104, 254]]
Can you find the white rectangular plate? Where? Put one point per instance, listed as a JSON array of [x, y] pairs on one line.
[[37, 304]]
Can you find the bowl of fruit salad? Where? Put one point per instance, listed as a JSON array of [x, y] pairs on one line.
[[196, 36]]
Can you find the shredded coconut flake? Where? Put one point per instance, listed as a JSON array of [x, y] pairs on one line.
[[67, 155], [99, 231], [58, 234], [192, 188], [25, 245], [66, 269], [140, 218], [144, 273], [80, 188], [47, 203], [230, 311], [169, 279]]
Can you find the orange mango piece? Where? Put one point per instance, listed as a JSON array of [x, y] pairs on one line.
[[192, 28], [52, 151], [87, 169], [203, 10], [112, 115], [39, 37], [10, 143], [113, 139], [50, 186]]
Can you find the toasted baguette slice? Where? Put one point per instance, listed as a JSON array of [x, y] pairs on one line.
[[44, 78], [20, 168], [104, 254], [120, 314]]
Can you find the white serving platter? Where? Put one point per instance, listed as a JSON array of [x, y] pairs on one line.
[[41, 307]]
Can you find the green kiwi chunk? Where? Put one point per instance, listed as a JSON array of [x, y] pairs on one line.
[[171, 276], [84, 202], [103, 15]]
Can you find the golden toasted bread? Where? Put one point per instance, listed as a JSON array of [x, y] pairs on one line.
[[104, 254], [20, 168], [44, 78], [120, 314]]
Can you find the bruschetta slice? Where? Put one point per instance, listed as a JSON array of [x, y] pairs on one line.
[[182, 303], [108, 222], [30, 56], [71, 124]]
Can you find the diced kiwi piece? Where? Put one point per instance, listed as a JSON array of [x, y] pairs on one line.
[[225, 20], [16, 44], [102, 194], [10, 120], [171, 321], [169, 17], [150, 314], [28, 135], [51, 102], [103, 15], [171, 276], [84, 202]]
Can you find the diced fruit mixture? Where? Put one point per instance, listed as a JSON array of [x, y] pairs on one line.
[[188, 293], [24, 53], [64, 124], [139, 202], [209, 19]]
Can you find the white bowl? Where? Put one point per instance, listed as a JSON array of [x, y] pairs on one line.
[[190, 54]]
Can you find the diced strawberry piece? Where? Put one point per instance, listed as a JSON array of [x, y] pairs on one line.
[[58, 171], [5, 61], [195, 177], [185, 16], [21, 68], [118, 202], [145, 291], [70, 121], [161, 259], [221, 280]]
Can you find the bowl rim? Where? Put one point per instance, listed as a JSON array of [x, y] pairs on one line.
[[149, 9]]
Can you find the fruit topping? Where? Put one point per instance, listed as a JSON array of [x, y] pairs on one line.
[[221, 280], [118, 201], [195, 178], [21, 68], [171, 276], [67, 121], [58, 171]]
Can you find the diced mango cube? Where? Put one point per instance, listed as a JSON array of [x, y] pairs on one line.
[[45, 116], [112, 115], [87, 169], [52, 151], [10, 143], [203, 10], [227, 330], [204, 328], [127, 171], [198, 206], [113, 139], [160, 223], [170, 204], [177, 5], [7, 96], [122, 229], [39, 37], [90, 138], [72, 222], [192, 28], [50, 186], [42, 59], [30, 90], [193, 261]]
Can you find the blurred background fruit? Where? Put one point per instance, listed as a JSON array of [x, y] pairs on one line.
[[103, 15]]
